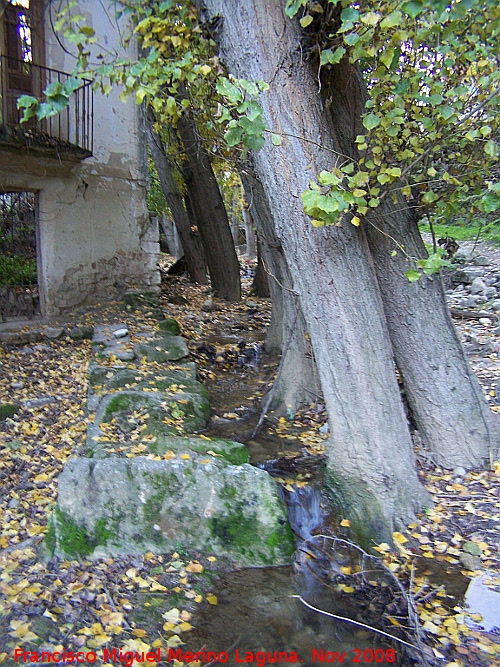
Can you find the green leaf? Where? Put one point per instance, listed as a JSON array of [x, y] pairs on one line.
[[491, 148], [276, 139], [306, 20], [293, 6], [370, 121], [387, 57], [412, 275], [233, 136], [349, 14], [227, 89], [394, 18], [446, 112], [413, 8], [332, 57]]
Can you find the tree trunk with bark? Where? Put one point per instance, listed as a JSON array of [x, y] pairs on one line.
[[371, 460], [208, 205], [444, 395], [297, 382], [249, 233], [260, 283], [192, 249]]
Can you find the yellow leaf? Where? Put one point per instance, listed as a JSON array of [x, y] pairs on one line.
[[345, 523], [138, 632], [184, 626], [155, 586], [185, 615], [355, 220], [194, 566], [185, 456], [174, 641], [172, 616], [168, 626], [394, 621], [3, 657], [346, 570], [212, 599], [399, 537], [212, 559]]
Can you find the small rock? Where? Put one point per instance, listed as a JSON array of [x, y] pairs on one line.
[[208, 305], [469, 561], [496, 305], [16, 385], [480, 260], [477, 286], [53, 332], [324, 429], [81, 333], [40, 402], [120, 333], [459, 472], [42, 348], [26, 350], [485, 321], [489, 293], [492, 280], [14, 503]]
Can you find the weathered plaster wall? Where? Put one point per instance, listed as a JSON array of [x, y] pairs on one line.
[[95, 237]]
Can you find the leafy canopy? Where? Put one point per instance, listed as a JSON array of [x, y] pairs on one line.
[[431, 126]]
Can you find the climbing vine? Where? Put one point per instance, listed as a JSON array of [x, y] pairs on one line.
[[430, 124]]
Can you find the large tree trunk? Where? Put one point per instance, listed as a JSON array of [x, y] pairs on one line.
[[445, 398], [250, 238], [192, 250], [210, 211], [371, 460], [297, 382], [260, 283]]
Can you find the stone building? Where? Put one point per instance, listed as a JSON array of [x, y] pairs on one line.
[[80, 175]]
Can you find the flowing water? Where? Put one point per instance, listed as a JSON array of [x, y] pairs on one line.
[[259, 619]]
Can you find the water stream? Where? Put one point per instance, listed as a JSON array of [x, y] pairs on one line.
[[258, 620]]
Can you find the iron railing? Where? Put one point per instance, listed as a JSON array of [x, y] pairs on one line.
[[71, 127]]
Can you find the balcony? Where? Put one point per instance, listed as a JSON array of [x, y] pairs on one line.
[[69, 135]]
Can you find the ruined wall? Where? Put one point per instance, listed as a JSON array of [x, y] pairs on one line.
[[94, 234]]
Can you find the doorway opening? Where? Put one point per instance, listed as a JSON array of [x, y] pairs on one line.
[[19, 293]]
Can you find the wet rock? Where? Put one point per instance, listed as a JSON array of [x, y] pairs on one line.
[[485, 321], [477, 286], [34, 403], [127, 418], [469, 561], [467, 275], [162, 348], [119, 506], [81, 333], [170, 325], [53, 332], [120, 333], [208, 305]]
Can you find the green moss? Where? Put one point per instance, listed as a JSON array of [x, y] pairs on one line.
[[283, 538], [351, 500], [50, 537], [170, 325], [235, 530], [74, 540], [8, 410]]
